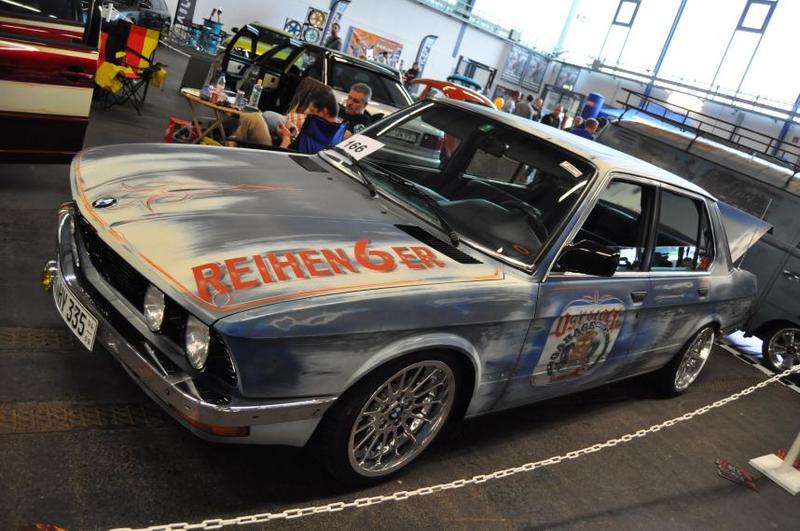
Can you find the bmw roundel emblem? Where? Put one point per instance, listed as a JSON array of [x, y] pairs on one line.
[[104, 202]]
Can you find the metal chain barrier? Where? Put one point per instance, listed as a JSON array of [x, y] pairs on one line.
[[289, 514]]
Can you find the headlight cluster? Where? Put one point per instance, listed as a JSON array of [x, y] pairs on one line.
[[197, 336]]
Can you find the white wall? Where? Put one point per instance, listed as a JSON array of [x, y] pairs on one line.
[[403, 21]]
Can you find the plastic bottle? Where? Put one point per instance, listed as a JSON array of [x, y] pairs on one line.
[[221, 82], [255, 94]]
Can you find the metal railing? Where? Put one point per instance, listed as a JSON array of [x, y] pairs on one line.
[[744, 139]]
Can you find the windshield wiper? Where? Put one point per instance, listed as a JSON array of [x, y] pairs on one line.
[[434, 205], [373, 192]]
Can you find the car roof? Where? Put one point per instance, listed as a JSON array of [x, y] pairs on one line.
[[604, 157], [361, 63], [477, 97]]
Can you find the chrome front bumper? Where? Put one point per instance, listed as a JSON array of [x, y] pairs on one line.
[[289, 421]]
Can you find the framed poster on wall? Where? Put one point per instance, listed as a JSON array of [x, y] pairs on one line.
[[567, 77], [515, 64], [365, 45], [534, 72]]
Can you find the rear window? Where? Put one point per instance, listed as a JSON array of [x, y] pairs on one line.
[[384, 90], [60, 9]]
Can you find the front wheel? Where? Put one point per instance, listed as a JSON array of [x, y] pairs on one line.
[[781, 347], [686, 366], [388, 419]]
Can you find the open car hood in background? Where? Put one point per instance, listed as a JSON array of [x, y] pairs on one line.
[[743, 229]]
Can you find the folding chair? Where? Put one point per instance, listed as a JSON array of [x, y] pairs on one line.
[[131, 49]]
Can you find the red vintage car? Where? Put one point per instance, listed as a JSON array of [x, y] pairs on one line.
[[47, 65], [427, 88]]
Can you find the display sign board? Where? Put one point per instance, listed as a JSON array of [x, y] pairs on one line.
[[184, 12], [525, 67]]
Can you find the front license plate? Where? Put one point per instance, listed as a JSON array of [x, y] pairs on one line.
[[78, 319]]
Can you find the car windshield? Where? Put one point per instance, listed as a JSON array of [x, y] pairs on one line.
[[495, 185]]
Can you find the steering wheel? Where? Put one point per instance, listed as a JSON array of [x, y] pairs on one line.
[[532, 214]]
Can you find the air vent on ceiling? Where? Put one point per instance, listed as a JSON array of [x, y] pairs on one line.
[[434, 242], [308, 164]]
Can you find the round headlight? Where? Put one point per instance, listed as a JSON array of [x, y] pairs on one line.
[[197, 338], [153, 308]]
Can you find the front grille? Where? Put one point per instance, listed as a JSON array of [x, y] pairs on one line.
[[132, 285], [111, 266], [432, 241]]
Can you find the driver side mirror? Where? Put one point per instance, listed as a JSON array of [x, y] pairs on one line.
[[589, 258]]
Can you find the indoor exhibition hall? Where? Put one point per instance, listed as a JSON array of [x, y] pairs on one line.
[[399, 264]]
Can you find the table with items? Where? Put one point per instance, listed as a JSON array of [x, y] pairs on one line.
[[223, 108]]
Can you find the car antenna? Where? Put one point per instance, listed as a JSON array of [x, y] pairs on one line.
[[752, 238]]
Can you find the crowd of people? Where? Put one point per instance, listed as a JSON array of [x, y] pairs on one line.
[[531, 109]]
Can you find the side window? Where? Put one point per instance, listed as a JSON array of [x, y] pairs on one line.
[[619, 221], [308, 63], [684, 239]]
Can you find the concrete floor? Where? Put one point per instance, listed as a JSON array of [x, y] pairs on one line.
[[83, 448]]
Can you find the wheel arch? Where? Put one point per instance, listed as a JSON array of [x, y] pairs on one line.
[[459, 347], [765, 328]]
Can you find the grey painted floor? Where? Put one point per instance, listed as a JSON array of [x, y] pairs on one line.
[[82, 447]]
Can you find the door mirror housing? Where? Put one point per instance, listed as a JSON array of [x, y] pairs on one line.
[[589, 258]]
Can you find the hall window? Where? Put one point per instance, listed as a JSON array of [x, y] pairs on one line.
[[626, 12], [756, 15]]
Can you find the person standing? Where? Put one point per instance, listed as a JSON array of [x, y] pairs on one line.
[[333, 41], [411, 74], [537, 109], [553, 119], [383, 58], [511, 102], [524, 108]]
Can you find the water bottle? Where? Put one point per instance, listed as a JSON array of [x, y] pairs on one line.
[[221, 82], [255, 94]]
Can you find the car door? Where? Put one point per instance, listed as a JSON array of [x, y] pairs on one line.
[[681, 283], [585, 326], [47, 67]]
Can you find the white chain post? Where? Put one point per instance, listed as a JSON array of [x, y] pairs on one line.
[[480, 478]]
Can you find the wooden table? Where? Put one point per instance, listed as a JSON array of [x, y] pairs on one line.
[[192, 96]]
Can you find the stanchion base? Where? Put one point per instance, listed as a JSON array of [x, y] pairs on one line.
[[768, 465]]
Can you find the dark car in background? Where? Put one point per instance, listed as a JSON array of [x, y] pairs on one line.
[[148, 13]]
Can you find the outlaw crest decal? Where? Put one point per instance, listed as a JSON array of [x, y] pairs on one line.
[[580, 339]]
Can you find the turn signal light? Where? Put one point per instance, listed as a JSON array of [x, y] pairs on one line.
[[221, 431]]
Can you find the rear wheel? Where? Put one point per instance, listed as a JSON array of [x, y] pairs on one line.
[[781, 347], [388, 419], [683, 370]]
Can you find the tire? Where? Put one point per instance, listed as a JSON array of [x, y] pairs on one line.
[[677, 376], [387, 419], [781, 347]]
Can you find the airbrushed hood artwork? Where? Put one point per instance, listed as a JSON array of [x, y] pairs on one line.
[[230, 236], [448, 260]]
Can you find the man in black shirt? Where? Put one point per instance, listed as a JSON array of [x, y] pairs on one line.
[[354, 111], [334, 42], [554, 118]]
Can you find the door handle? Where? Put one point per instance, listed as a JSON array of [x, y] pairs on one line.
[[702, 291], [77, 76], [791, 275], [638, 296]]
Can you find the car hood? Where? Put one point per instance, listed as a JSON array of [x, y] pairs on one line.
[[221, 230]]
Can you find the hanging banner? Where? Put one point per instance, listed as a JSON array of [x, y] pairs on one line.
[[424, 51], [184, 12], [365, 45], [337, 10]]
